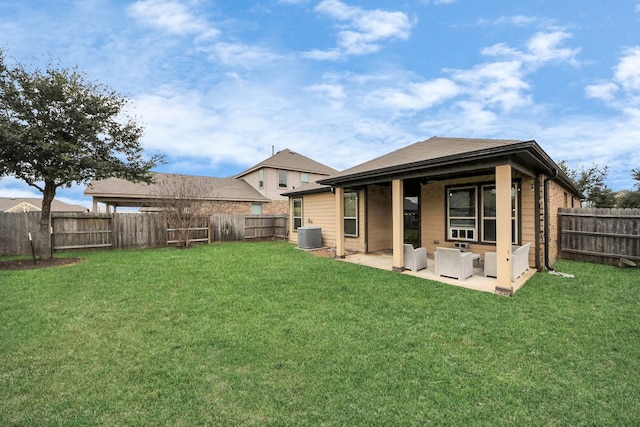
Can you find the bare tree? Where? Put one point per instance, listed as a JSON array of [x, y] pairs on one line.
[[184, 201]]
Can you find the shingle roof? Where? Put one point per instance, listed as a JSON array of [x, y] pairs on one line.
[[289, 160], [448, 157], [229, 189], [7, 203], [430, 149], [312, 187]]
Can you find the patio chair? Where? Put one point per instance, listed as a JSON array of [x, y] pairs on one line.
[[414, 259], [519, 262], [453, 263]]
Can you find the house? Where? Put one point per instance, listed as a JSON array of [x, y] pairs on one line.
[[257, 190], [226, 195], [284, 171], [33, 204], [486, 194]]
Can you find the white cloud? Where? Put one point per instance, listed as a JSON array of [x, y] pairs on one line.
[[498, 84], [623, 90], [171, 16], [605, 91], [543, 47], [238, 54], [416, 96], [627, 73], [362, 31]]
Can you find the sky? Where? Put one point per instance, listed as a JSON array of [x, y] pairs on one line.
[[219, 84]]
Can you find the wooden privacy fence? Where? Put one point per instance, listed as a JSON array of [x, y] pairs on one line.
[[237, 227], [79, 230], [603, 236]]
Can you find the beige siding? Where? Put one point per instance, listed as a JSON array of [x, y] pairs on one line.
[[272, 189], [318, 210], [433, 216], [380, 218]]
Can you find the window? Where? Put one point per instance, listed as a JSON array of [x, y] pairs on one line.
[[256, 209], [467, 223], [261, 178], [489, 213], [351, 214], [297, 213], [461, 208], [304, 178], [282, 179]]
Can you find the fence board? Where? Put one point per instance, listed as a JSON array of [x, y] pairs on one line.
[[14, 232], [79, 230], [602, 236]]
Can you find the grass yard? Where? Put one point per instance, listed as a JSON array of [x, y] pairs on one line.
[[265, 334]]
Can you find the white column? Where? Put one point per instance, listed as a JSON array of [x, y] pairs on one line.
[[339, 193], [503, 226], [397, 208]]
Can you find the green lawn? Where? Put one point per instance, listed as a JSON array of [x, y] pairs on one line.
[[265, 334]]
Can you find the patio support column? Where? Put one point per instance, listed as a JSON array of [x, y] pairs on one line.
[[95, 205], [397, 209], [503, 229], [339, 192]]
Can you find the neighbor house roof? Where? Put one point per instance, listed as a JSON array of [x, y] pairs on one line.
[[439, 157], [310, 188], [34, 204], [290, 160], [124, 193]]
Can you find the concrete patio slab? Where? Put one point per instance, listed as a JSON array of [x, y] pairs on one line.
[[384, 260]]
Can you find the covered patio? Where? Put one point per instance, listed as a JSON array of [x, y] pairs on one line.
[[478, 282], [486, 197]]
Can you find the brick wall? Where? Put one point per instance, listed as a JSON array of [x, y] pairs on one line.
[[558, 197]]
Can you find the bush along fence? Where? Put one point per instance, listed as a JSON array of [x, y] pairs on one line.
[[603, 236], [78, 230]]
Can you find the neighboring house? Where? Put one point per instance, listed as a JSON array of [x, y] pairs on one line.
[[33, 204], [226, 195], [257, 190], [487, 193], [284, 171]]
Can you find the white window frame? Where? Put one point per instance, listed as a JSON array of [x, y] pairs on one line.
[[350, 194], [283, 183], [462, 232], [515, 231], [297, 219], [304, 178], [261, 178]]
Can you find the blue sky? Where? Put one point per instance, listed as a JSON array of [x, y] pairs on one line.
[[218, 83]]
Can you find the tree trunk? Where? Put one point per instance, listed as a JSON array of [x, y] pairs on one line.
[[44, 239]]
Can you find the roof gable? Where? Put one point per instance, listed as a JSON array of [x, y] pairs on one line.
[[34, 204], [290, 160]]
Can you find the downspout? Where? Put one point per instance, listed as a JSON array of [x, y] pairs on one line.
[[547, 262], [366, 219], [537, 231]]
